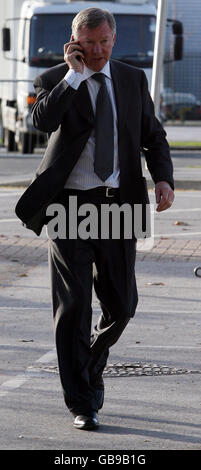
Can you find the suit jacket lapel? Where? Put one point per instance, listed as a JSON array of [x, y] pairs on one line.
[[122, 90], [83, 104]]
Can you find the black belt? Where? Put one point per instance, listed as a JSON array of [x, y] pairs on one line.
[[104, 191]]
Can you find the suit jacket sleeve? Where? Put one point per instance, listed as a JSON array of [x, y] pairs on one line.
[[154, 144], [51, 103]]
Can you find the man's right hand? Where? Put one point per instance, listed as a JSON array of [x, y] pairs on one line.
[[73, 56]]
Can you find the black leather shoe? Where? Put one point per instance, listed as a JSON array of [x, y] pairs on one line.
[[86, 422]]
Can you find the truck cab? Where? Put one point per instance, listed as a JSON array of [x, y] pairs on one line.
[[33, 39]]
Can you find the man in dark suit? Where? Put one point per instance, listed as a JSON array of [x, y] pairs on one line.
[[80, 162]]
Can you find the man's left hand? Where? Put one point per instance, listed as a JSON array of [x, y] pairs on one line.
[[164, 196]]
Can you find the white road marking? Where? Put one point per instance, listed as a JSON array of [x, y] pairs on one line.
[[5, 307], [2, 194], [174, 346], [195, 209], [173, 235], [157, 235], [20, 379], [18, 156], [48, 357], [98, 309], [187, 193], [12, 384], [10, 220]]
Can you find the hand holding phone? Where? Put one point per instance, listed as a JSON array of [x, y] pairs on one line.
[[73, 55], [78, 57]]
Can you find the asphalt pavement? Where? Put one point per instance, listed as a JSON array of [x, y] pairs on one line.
[[153, 376], [18, 170]]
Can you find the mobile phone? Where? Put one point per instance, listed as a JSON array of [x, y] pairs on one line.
[[78, 56]]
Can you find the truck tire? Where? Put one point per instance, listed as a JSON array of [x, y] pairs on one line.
[[26, 143], [9, 140]]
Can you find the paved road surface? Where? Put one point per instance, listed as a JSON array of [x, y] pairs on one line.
[[141, 411]]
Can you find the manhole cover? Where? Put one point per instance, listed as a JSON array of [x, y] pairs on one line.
[[138, 368], [126, 369]]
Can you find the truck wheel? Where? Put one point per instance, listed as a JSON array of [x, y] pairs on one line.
[[26, 143], [9, 140]]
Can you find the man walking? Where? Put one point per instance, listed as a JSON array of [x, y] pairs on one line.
[[99, 115]]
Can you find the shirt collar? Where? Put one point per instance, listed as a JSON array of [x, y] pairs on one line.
[[106, 70]]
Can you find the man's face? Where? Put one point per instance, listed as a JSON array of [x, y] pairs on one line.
[[97, 44]]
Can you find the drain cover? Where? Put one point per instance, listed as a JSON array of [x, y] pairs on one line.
[[138, 368], [126, 369]]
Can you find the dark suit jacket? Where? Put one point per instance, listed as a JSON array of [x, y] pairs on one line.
[[67, 116]]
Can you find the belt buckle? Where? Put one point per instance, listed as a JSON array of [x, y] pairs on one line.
[[107, 193]]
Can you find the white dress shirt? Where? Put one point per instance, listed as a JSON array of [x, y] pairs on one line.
[[82, 175]]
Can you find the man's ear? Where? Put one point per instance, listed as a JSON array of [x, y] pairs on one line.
[[114, 38]]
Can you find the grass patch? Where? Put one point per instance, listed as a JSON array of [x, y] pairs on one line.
[[184, 144], [193, 166]]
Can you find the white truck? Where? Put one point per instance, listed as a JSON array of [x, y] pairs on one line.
[[33, 35]]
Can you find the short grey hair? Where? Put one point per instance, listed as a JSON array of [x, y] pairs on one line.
[[92, 18]]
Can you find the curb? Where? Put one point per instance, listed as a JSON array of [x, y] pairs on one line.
[[179, 184], [16, 184]]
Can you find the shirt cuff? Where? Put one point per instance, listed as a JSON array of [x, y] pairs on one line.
[[74, 78]]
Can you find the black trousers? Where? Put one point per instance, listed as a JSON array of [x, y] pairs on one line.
[[75, 266]]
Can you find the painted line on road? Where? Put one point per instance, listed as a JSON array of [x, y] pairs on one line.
[[158, 235], [187, 348], [11, 193], [98, 310], [195, 209], [24, 308], [48, 357], [10, 220], [155, 310], [175, 235], [16, 382], [187, 193], [18, 156], [20, 379], [12, 384]]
